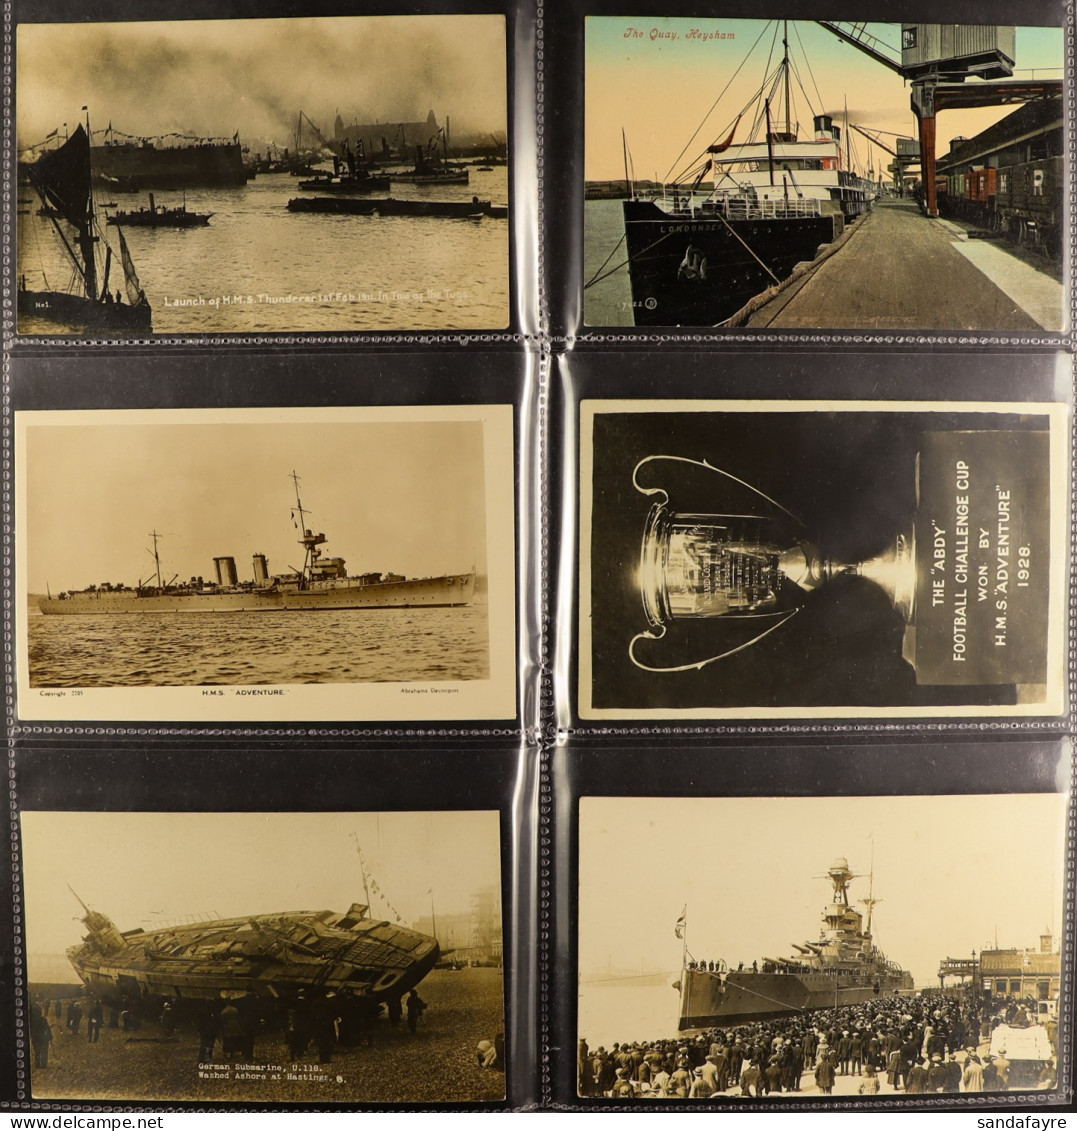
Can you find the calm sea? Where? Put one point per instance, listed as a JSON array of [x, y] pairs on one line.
[[303, 272], [183, 649], [626, 1012], [608, 302]]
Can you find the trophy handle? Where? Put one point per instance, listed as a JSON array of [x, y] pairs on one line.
[[660, 631], [709, 467]]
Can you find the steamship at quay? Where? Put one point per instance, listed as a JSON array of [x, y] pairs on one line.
[[699, 252], [323, 583], [843, 967]]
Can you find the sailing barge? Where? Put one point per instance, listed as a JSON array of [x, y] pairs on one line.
[[62, 178]]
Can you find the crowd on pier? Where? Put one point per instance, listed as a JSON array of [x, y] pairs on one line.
[[928, 1043]]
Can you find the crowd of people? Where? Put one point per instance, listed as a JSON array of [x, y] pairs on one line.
[[230, 1028], [930, 1043]]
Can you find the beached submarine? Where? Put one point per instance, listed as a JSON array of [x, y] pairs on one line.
[[271, 956]]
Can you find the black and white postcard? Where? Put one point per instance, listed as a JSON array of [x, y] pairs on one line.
[[286, 175], [286, 957], [798, 174], [267, 564], [821, 559], [798, 947]]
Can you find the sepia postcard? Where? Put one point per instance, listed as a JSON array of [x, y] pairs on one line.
[[297, 175], [351, 564], [767, 980], [379, 978], [824, 174], [822, 559]]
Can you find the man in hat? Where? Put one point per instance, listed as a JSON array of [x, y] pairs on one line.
[[1002, 1067], [917, 1080], [701, 1088], [622, 1088], [936, 1075], [972, 1079]]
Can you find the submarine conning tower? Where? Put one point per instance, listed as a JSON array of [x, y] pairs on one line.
[[104, 934]]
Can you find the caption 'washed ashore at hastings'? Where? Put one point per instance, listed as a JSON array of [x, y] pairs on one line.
[[394, 215], [762, 222]]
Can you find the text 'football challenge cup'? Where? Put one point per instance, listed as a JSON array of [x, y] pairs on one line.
[[750, 565], [970, 577]]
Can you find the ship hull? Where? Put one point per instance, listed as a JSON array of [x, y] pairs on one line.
[[161, 219], [658, 244], [707, 999], [208, 961], [346, 186], [457, 178], [91, 314], [134, 168], [429, 592]]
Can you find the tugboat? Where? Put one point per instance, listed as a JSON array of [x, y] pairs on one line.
[[158, 216], [322, 583], [697, 255], [432, 168], [63, 182], [843, 967], [350, 175]]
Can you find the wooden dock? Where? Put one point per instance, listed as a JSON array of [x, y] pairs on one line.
[[901, 271]]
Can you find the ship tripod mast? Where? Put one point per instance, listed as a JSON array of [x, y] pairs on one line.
[[309, 540], [156, 557]]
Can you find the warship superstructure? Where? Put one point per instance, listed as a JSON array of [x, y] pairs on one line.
[[842, 967], [322, 583]]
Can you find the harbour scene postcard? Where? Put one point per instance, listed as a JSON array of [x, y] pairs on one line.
[[862, 948], [264, 565], [286, 176], [822, 559], [376, 979], [796, 174]]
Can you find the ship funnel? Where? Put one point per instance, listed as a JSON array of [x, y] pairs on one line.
[[823, 125], [226, 571], [261, 568]]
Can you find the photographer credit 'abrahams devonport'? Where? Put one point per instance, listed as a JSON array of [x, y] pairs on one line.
[[819, 562], [817, 190], [258, 198], [373, 580], [315, 998], [696, 1002]]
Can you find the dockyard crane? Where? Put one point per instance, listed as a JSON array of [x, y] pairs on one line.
[[937, 83]]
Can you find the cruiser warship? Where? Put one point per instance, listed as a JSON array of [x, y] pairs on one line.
[[843, 967], [322, 583], [270, 956]]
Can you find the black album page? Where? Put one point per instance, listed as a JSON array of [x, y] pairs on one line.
[[271, 388], [810, 457], [537, 557]]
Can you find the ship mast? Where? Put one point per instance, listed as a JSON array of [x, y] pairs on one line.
[[86, 232], [870, 902], [309, 540], [785, 69], [156, 557]]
